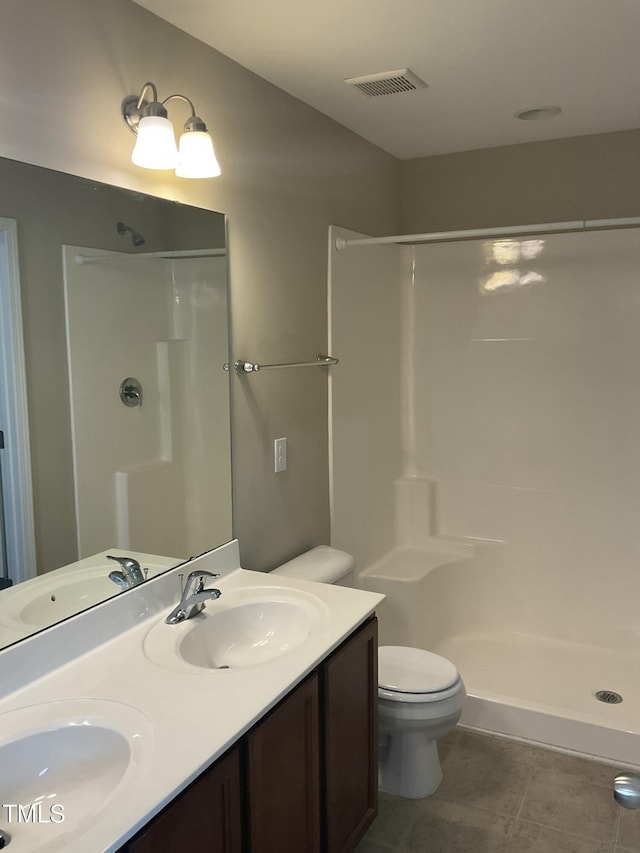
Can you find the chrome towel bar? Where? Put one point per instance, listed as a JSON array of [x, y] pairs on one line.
[[244, 367]]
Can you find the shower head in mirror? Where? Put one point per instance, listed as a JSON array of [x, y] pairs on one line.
[[136, 237]]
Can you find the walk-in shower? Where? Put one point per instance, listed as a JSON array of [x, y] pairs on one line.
[[486, 466]]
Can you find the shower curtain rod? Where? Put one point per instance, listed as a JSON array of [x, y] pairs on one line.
[[185, 253], [504, 231]]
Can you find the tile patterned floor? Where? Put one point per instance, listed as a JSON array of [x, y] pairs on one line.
[[500, 796]]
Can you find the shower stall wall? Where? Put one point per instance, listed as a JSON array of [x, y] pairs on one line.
[[494, 489]]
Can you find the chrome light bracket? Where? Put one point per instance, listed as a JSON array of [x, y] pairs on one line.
[[135, 107], [132, 113]]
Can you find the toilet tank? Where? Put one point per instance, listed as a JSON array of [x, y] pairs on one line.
[[322, 564]]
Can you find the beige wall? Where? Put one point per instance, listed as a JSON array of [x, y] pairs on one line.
[[288, 172], [585, 177]]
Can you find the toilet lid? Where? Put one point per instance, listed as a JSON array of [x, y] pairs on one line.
[[406, 670]]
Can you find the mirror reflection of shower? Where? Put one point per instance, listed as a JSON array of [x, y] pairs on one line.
[[147, 473], [136, 237]]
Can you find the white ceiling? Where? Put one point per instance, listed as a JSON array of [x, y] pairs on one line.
[[483, 60]]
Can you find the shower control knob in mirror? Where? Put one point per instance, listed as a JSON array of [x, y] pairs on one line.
[[131, 392]]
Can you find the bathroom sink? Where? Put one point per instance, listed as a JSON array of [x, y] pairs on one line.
[[245, 627], [63, 764], [67, 596], [60, 594], [33, 606]]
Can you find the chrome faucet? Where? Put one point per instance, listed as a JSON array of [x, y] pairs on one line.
[[193, 597], [130, 573]]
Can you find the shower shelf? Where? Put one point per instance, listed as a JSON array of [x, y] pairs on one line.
[[242, 368]]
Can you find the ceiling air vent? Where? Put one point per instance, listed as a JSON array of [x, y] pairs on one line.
[[387, 83]]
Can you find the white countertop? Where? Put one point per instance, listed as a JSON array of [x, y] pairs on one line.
[[194, 714]]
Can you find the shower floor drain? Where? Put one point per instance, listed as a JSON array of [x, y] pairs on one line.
[[610, 697]]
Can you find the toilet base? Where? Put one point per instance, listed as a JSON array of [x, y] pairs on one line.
[[409, 766]]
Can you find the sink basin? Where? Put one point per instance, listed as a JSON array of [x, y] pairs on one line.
[[246, 634], [245, 627], [49, 598], [46, 600], [67, 596], [62, 765]]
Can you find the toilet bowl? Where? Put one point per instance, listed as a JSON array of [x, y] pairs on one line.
[[420, 699], [420, 694]]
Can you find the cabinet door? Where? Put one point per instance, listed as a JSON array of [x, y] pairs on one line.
[[205, 817], [283, 776], [349, 702]]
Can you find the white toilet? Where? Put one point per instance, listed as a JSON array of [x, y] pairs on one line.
[[420, 694]]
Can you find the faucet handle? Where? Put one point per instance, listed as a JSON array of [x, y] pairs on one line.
[[201, 575], [195, 580], [129, 568]]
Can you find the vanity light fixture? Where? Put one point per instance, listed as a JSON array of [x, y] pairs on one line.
[[155, 146]]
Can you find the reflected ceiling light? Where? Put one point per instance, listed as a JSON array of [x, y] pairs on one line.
[[155, 146], [505, 281], [509, 252]]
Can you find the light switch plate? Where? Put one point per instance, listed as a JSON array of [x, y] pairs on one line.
[[279, 455]]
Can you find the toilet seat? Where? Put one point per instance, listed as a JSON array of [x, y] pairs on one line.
[[406, 674]]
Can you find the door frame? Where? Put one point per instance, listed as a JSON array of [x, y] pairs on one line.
[[14, 414]]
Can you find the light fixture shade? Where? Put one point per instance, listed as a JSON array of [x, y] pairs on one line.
[[155, 146], [196, 158]]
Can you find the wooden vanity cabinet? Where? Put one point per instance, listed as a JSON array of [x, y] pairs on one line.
[[349, 725], [282, 774], [205, 818], [304, 779]]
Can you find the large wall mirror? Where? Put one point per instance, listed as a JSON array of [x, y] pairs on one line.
[[125, 337]]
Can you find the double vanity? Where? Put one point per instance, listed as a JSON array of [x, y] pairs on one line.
[[249, 727]]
